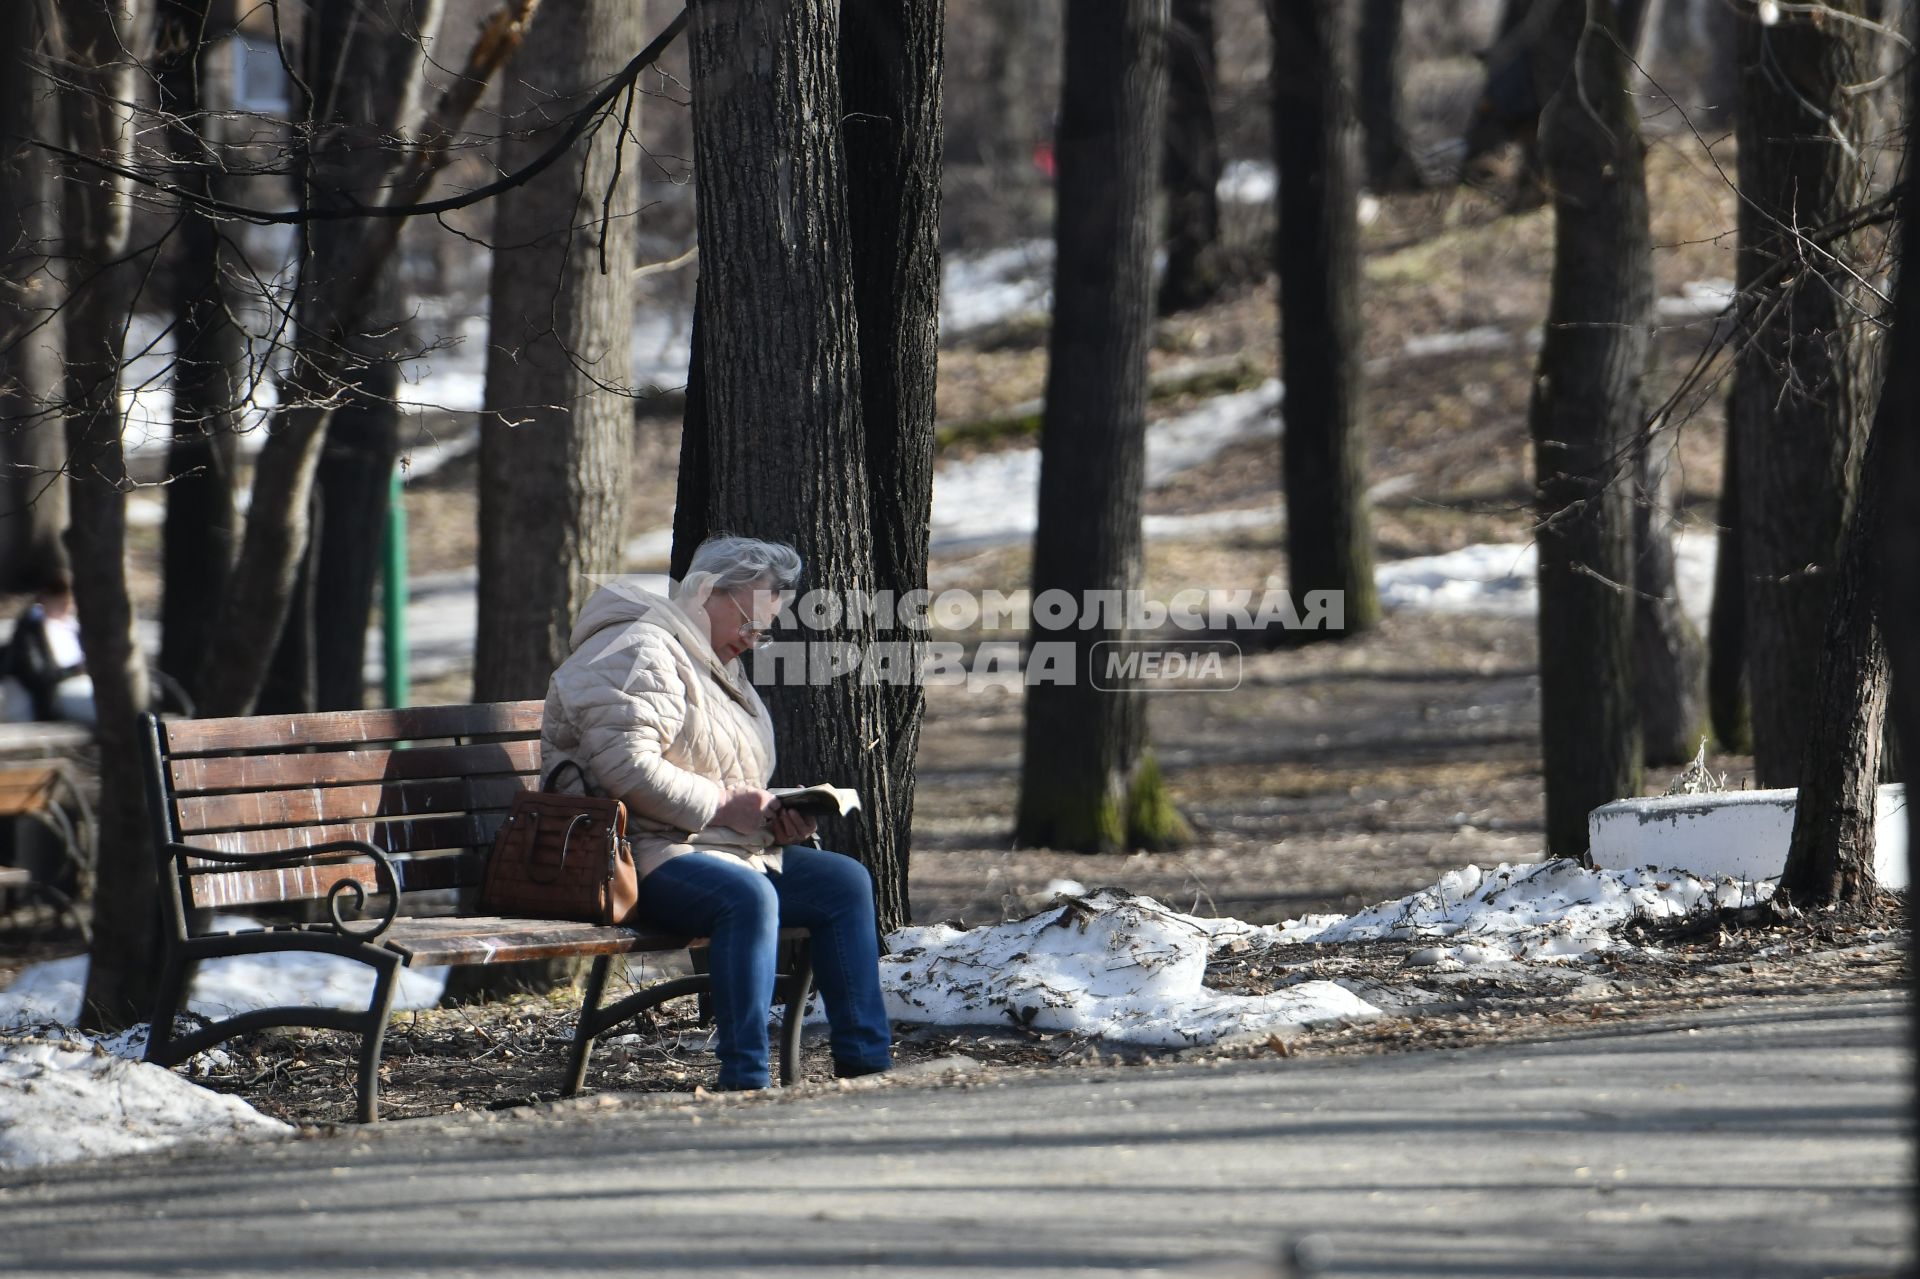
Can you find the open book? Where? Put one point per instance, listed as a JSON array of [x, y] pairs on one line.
[[819, 800]]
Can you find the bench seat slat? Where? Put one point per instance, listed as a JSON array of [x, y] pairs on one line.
[[325, 728], [399, 835], [500, 939], [195, 776], [212, 888], [314, 805]]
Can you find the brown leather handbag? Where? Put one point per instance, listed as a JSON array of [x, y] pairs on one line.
[[562, 856]]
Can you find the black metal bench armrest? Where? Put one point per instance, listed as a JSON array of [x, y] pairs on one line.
[[333, 851]]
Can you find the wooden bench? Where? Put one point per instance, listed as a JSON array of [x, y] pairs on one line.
[[51, 836], [365, 811]]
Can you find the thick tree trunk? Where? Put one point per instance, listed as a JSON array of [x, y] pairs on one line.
[[1830, 858], [33, 502], [1727, 623], [99, 213], [1669, 659], [1802, 392], [1901, 543], [195, 83], [1391, 163], [1191, 165], [1087, 780], [691, 521], [777, 315], [556, 440], [356, 484], [891, 56], [1585, 417], [1317, 254]]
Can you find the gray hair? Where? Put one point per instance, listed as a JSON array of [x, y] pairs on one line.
[[745, 561]]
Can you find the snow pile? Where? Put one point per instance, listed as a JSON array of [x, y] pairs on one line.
[[1540, 912], [1109, 965], [50, 993], [61, 1100]]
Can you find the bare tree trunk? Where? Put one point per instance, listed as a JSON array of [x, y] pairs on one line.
[[1391, 163], [891, 55], [97, 37], [691, 520], [1901, 543], [195, 83], [1317, 254], [556, 440], [1727, 624], [33, 502], [356, 483], [1191, 167], [1669, 660], [1802, 392], [322, 365], [777, 314], [363, 76], [1830, 858], [1087, 780], [1586, 415]]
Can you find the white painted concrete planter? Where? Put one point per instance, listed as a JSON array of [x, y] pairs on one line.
[[1740, 833]]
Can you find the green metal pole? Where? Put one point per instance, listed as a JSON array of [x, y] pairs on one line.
[[393, 598]]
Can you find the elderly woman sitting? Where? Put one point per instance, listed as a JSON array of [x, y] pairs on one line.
[[655, 709]]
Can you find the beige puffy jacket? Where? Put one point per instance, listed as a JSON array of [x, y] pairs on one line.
[[646, 709]]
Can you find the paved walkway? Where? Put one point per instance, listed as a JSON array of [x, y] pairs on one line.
[[1768, 1141]]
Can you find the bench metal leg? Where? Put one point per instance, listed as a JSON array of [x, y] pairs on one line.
[[799, 986], [583, 1034], [169, 1000], [374, 1040]]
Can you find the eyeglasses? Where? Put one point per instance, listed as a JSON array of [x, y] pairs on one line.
[[752, 632]]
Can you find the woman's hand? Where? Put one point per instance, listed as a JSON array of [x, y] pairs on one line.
[[746, 809], [790, 827]]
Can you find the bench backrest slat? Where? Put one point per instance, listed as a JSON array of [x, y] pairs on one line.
[[301, 883], [320, 804], [263, 733], [412, 782], [202, 774], [410, 835]]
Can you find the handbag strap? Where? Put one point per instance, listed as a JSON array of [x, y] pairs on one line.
[[586, 785]]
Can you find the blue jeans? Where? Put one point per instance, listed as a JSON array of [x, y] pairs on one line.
[[743, 911]]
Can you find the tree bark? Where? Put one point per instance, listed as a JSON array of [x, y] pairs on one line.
[[1087, 780], [1586, 416], [1727, 624], [1191, 167], [99, 123], [1391, 162], [691, 521], [195, 83], [891, 56], [1802, 392], [1900, 536], [1830, 858], [1317, 255], [33, 502], [1669, 659], [556, 439], [356, 486], [777, 313]]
